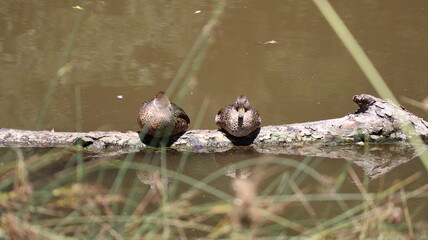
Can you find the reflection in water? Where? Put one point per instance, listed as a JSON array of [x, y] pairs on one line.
[[228, 161], [239, 173], [154, 180], [376, 160]]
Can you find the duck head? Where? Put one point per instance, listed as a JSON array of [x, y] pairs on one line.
[[242, 105], [161, 100]]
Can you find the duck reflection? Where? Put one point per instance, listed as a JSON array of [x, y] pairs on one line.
[[231, 160], [154, 180], [238, 173]]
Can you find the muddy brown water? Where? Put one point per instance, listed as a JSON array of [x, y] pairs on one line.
[[123, 52]]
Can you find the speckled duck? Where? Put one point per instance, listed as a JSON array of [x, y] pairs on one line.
[[159, 117], [238, 119]]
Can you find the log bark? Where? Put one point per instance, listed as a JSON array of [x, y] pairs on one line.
[[376, 121]]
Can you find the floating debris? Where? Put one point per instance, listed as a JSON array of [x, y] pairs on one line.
[[119, 96], [77, 7], [197, 11], [268, 42]]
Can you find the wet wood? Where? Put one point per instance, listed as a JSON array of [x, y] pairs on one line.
[[375, 121]]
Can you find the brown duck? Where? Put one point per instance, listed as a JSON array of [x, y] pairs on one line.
[[238, 119], [159, 117]]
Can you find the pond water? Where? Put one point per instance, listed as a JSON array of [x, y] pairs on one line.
[[67, 69], [134, 49]]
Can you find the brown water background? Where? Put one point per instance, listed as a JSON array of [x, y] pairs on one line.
[[134, 48], [123, 52]]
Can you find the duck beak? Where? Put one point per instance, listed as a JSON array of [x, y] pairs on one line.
[[241, 112]]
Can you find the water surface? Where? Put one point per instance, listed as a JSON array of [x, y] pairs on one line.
[[123, 52]]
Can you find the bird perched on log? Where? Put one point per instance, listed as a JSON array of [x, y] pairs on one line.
[[159, 117], [238, 119]]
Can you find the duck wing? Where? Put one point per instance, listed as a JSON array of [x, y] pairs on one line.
[[180, 113]]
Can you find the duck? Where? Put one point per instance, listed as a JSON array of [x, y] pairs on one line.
[[159, 117], [238, 119]]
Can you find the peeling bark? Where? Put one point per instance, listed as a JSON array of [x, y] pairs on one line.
[[375, 121]]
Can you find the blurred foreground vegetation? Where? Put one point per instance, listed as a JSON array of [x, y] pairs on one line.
[[266, 197]]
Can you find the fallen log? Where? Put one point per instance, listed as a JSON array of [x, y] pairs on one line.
[[376, 121]]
